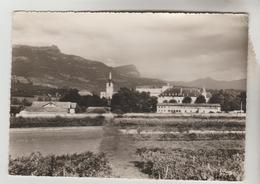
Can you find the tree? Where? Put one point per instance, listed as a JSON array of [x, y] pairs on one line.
[[15, 109], [129, 100], [172, 101], [217, 98], [15, 101], [26, 102], [186, 99], [71, 96], [200, 99], [92, 100], [229, 99]]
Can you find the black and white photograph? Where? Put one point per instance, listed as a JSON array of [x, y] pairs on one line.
[[137, 95]]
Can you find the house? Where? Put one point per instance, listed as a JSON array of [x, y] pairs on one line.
[[43, 107], [188, 108]]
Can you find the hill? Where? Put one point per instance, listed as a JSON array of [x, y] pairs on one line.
[[48, 66], [210, 83]]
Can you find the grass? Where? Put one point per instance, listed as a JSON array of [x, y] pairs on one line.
[[192, 145], [20, 122], [190, 137], [85, 164]]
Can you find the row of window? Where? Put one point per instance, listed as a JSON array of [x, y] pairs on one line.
[[174, 111]]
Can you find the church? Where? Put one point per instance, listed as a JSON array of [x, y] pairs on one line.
[[108, 94]]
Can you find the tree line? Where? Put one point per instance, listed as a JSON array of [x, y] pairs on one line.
[[130, 100]]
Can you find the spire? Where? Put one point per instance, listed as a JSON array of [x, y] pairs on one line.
[[110, 76], [204, 92]]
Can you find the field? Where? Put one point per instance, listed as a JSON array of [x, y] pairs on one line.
[[21, 122], [190, 148]]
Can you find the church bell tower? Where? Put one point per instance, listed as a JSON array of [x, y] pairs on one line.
[[109, 87]]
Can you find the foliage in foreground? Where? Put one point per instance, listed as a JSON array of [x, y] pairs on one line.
[[85, 164], [180, 164]]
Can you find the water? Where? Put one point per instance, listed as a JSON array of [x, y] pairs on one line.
[[65, 140]]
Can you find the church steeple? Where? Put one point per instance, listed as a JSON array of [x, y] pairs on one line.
[[204, 92], [110, 86], [108, 94], [110, 76]]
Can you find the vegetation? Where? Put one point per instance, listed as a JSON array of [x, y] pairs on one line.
[[20, 122], [186, 99], [129, 100], [29, 90], [200, 99], [23, 102], [83, 101], [183, 164], [85, 164], [229, 99], [183, 124]]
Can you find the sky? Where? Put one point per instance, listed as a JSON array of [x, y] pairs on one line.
[[168, 46]]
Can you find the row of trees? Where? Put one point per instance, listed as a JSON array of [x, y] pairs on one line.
[[130, 100], [229, 99], [83, 101], [125, 100]]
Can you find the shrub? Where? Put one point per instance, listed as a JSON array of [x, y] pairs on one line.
[[85, 164], [192, 165]]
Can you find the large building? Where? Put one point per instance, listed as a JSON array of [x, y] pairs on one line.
[[188, 108], [108, 94], [153, 90], [41, 107], [177, 94]]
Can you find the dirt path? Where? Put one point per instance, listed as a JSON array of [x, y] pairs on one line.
[[121, 153]]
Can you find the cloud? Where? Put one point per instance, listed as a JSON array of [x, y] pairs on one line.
[[164, 45]]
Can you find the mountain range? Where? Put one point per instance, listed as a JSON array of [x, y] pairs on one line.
[[48, 66]]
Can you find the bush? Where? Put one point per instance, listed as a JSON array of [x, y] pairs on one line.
[[192, 165], [85, 164]]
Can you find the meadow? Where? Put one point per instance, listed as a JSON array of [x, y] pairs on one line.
[[25, 122]]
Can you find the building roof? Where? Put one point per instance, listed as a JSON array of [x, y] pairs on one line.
[[41, 106], [179, 91], [85, 93], [189, 105], [183, 91], [148, 87]]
